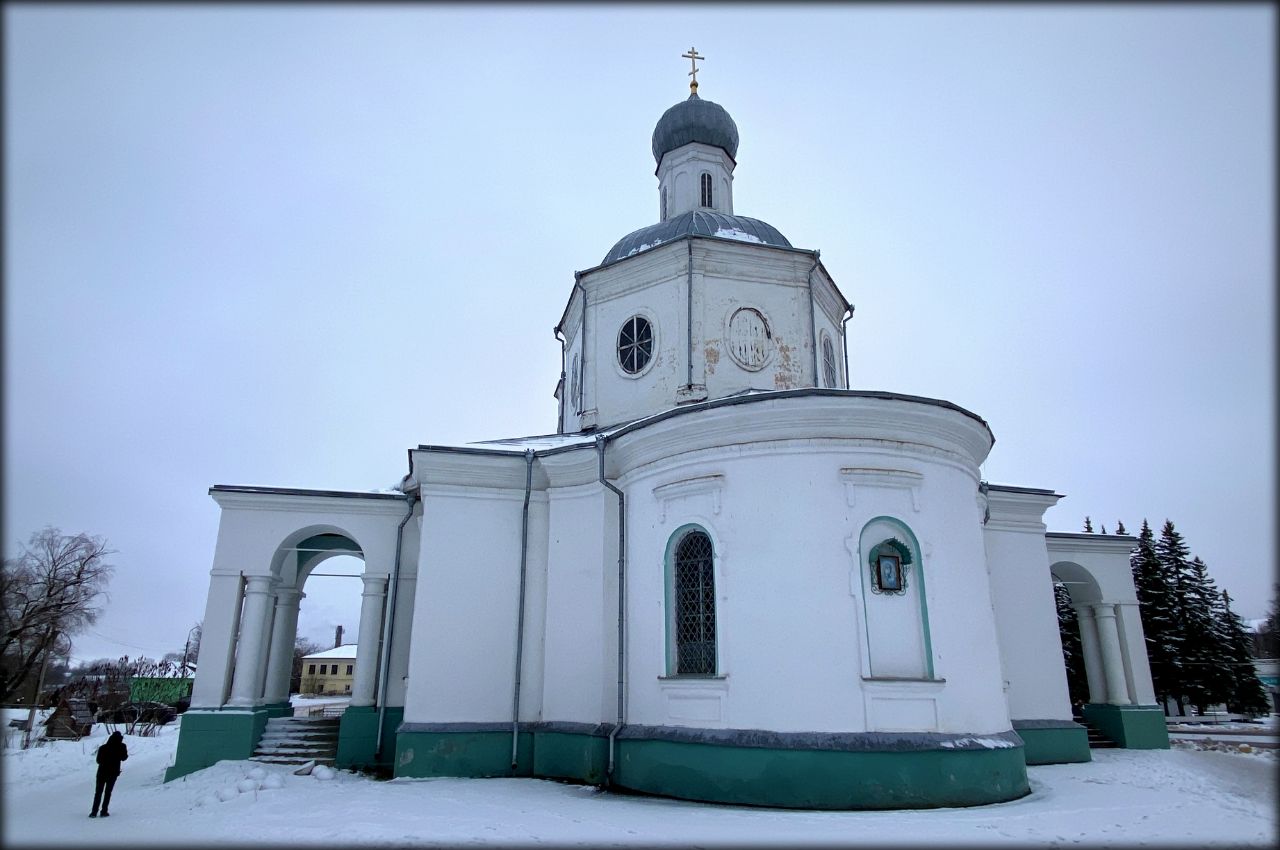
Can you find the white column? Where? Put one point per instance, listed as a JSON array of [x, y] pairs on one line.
[[217, 642], [284, 631], [1112, 663], [253, 628], [1092, 655], [371, 604]]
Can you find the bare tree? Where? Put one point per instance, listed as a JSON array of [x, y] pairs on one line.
[[47, 593], [301, 647]]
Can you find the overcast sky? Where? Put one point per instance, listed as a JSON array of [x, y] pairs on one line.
[[281, 245]]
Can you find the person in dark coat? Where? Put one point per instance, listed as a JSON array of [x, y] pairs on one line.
[[110, 755]]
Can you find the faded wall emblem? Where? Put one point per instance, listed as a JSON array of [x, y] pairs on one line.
[[750, 341]]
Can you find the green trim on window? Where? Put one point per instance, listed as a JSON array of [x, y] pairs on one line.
[[864, 577], [669, 609]]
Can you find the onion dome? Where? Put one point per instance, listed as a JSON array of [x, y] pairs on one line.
[[695, 120], [696, 223]]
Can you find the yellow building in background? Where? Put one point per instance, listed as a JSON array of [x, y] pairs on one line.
[[329, 672]]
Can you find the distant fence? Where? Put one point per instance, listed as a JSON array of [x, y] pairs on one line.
[[330, 710]]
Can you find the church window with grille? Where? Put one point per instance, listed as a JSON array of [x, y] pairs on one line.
[[706, 190], [694, 606], [635, 344], [664, 203], [829, 361]]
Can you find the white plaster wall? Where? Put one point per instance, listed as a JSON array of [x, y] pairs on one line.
[[779, 291], [1027, 623], [654, 287], [462, 664], [681, 171], [791, 645]]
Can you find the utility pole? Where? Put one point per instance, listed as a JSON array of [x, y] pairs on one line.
[[35, 700]]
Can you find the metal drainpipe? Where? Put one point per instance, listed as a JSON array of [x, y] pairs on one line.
[[564, 389], [622, 552], [689, 301], [844, 339], [386, 629], [582, 333], [524, 559], [813, 330]]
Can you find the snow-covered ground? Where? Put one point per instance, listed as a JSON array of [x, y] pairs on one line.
[[1124, 798]]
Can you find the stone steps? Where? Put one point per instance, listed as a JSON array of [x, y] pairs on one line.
[[298, 740]]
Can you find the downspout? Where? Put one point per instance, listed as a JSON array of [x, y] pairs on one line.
[[387, 626], [689, 301], [564, 389], [524, 559], [622, 550], [844, 339], [582, 331], [813, 330]]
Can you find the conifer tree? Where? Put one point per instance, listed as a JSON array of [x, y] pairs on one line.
[[1157, 605], [1120, 528], [1088, 525], [1207, 675], [1245, 693], [1072, 653]]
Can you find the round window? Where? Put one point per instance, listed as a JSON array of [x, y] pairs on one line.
[[829, 361], [574, 383], [635, 344]]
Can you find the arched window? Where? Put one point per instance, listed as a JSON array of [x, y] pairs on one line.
[[829, 361], [706, 190], [693, 605], [664, 203]]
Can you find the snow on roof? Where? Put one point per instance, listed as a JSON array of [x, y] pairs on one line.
[[347, 650]]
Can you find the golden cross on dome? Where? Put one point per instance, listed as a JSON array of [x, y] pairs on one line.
[[693, 56]]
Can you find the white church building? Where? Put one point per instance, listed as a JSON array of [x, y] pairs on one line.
[[729, 576]]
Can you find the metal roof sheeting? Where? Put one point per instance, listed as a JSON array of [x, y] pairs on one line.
[[697, 223]]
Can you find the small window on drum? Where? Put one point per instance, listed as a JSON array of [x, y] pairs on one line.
[[829, 361], [635, 344], [706, 190]]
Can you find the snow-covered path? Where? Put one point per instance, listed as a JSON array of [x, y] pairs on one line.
[[1125, 798]]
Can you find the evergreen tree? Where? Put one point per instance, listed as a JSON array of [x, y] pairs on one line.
[[1268, 640], [1120, 528], [1072, 653], [1088, 525], [1174, 557], [1207, 674], [1104, 529], [1158, 608], [1245, 694]]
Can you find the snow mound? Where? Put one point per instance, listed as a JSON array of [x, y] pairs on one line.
[[256, 773], [323, 771], [227, 792]]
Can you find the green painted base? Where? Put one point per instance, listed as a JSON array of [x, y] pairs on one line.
[[358, 737], [1135, 727], [207, 737], [279, 709], [472, 749], [1053, 742], [823, 779], [872, 774], [574, 756]]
